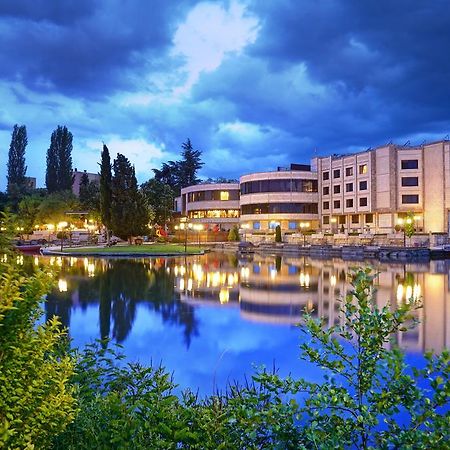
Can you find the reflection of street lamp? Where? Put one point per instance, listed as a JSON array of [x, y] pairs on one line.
[[245, 227], [198, 227], [303, 227]]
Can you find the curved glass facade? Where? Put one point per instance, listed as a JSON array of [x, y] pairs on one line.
[[214, 214], [213, 195], [279, 185], [279, 208]]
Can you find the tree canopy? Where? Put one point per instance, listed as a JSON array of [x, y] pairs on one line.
[[59, 161], [16, 177]]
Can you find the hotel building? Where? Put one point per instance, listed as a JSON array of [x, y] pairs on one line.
[[286, 197], [372, 190], [210, 204]]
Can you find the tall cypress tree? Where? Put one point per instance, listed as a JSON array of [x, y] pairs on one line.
[[189, 165], [106, 190], [129, 212], [59, 161], [16, 160]]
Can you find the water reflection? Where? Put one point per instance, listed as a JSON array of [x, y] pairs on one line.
[[264, 289]]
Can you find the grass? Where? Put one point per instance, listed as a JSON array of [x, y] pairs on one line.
[[154, 249]]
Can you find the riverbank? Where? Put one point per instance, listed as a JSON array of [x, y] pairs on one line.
[[130, 251], [345, 252]]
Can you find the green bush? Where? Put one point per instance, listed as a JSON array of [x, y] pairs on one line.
[[278, 234], [36, 399], [233, 235]]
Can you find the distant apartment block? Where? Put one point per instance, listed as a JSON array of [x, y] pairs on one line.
[[30, 183], [77, 176]]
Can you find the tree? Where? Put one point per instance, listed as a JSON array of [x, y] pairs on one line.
[[278, 234], [29, 212], [189, 165], [16, 160], [160, 198], [409, 226], [90, 198], [233, 234], [129, 213], [59, 161], [106, 191], [54, 207]]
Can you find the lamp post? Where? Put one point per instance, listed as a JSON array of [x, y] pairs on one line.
[[245, 227], [303, 227]]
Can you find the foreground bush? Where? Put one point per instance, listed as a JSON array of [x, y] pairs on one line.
[[36, 399]]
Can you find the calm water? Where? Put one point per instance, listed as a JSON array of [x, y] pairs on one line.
[[211, 318]]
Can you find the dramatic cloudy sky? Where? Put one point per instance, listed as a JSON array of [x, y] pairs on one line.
[[254, 83]]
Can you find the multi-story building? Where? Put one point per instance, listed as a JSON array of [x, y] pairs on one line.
[[77, 176], [375, 189], [286, 197], [214, 205]]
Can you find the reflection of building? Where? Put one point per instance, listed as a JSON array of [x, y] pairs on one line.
[[77, 177], [211, 204], [284, 197]]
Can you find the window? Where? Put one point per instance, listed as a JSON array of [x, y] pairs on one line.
[[369, 218], [349, 203], [410, 199], [326, 176], [292, 225], [337, 173], [224, 195], [362, 169], [256, 225], [410, 181], [336, 204], [341, 220], [326, 190], [349, 187], [410, 164], [355, 218], [273, 224], [337, 189], [363, 201], [326, 220], [326, 205], [279, 208], [349, 171], [363, 185]]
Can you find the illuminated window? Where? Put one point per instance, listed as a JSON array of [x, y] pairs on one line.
[[363, 169], [224, 195]]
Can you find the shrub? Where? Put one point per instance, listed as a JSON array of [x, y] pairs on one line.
[[233, 235], [36, 399], [278, 234]]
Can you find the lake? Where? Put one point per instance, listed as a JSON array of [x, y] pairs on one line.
[[210, 319]]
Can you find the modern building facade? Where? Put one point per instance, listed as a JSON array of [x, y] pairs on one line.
[[286, 197], [213, 205], [374, 190]]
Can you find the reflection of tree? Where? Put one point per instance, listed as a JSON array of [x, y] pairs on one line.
[[59, 304], [167, 303]]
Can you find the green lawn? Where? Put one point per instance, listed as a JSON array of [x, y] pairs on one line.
[[154, 249]]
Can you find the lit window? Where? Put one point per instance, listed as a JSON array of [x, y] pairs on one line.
[[224, 195], [363, 169]]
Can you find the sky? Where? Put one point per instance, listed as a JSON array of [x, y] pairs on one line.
[[255, 84]]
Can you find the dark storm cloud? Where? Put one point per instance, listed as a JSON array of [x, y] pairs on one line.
[[375, 71], [80, 50]]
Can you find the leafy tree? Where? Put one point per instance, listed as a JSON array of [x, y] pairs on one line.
[[129, 212], [36, 399], [106, 191], [54, 207], [160, 198], [3, 201], [16, 160], [189, 165], [233, 234], [28, 212], [278, 234], [89, 196], [59, 161], [182, 173], [409, 225]]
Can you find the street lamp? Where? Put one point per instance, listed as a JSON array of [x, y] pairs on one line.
[[198, 227], [303, 227], [245, 227]]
